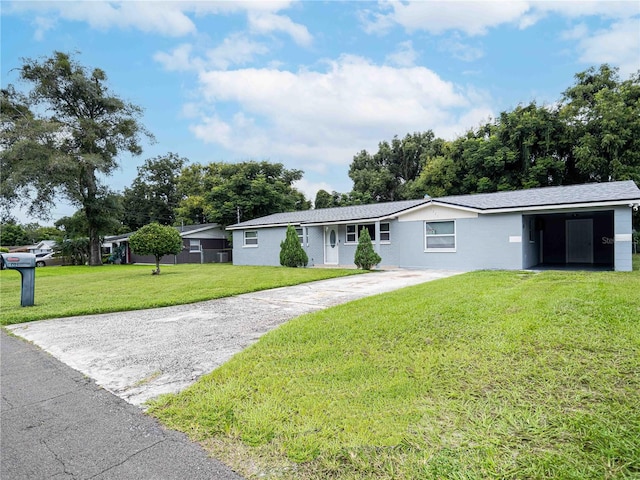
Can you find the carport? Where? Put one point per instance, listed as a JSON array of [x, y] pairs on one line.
[[574, 240]]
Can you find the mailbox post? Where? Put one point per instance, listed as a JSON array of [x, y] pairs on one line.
[[25, 263]]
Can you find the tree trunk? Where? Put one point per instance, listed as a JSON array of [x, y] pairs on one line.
[[157, 265], [95, 255]]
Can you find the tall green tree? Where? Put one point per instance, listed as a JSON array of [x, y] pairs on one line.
[[228, 192], [154, 195], [387, 175], [521, 148], [323, 200], [63, 137], [603, 116], [107, 219], [193, 183]]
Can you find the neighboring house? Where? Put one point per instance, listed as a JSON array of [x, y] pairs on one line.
[[577, 225], [45, 246], [206, 243]]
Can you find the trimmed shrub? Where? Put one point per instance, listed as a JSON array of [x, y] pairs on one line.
[[291, 252], [366, 257], [157, 240]]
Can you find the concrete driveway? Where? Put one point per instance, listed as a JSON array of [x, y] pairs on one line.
[[141, 354]]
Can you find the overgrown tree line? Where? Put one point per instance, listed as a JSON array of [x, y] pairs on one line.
[[226, 193], [591, 135]]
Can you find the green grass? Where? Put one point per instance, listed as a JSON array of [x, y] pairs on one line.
[[67, 291], [499, 375]]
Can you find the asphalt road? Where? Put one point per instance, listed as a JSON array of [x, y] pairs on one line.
[[58, 424]]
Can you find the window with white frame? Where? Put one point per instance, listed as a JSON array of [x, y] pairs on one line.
[[250, 238], [194, 246], [353, 232], [440, 236], [300, 235], [385, 233]]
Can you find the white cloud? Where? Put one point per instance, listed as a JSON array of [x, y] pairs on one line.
[[477, 17], [578, 32], [472, 18], [267, 22], [42, 25], [310, 189], [179, 59], [459, 49], [617, 45], [376, 22], [164, 18], [404, 56], [169, 18], [214, 129], [236, 49], [324, 118], [603, 8]]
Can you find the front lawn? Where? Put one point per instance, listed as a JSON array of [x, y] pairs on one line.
[[67, 291], [484, 375]]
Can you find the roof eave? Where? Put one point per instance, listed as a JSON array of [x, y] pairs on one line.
[[262, 225], [350, 221], [560, 206]]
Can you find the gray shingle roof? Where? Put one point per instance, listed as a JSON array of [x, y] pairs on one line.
[[192, 228], [332, 215], [182, 229], [535, 197]]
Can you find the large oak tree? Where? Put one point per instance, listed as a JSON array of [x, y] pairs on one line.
[[224, 193], [61, 138]]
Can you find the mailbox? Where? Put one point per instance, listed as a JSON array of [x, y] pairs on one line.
[[25, 263]]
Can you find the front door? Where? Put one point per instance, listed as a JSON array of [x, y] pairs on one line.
[[331, 245], [580, 240]]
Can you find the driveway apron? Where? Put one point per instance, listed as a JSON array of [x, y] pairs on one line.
[[141, 354]]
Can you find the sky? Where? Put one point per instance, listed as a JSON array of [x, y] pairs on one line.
[[310, 84]]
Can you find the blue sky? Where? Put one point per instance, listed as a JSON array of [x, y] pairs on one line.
[[311, 83]]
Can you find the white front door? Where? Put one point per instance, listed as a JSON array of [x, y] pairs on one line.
[[580, 240], [331, 245]]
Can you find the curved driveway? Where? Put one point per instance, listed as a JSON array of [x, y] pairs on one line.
[[141, 354]]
